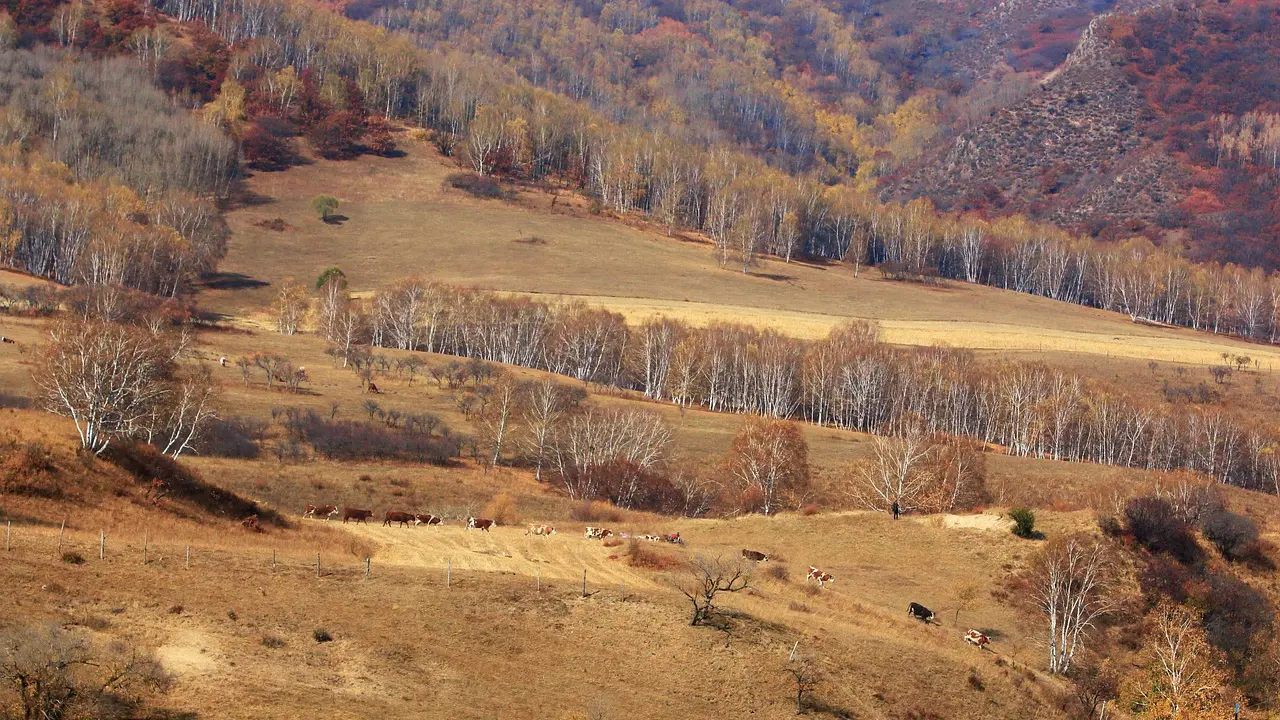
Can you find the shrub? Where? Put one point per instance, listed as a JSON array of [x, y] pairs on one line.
[[641, 555], [809, 510], [324, 206], [10, 400], [1024, 523], [348, 440], [975, 681], [176, 609], [1110, 526], [321, 635], [612, 542], [234, 437], [799, 607], [272, 641], [267, 150], [591, 511], [502, 510], [481, 186], [1155, 525], [1229, 532], [72, 558], [778, 572], [232, 615]]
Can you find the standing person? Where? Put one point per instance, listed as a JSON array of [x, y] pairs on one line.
[[896, 511]]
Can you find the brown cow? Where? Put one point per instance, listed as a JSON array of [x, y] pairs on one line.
[[355, 514], [314, 511], [754, 555], [373, 389], [403, 518], [251, 523], [475, 523], [427, 519]]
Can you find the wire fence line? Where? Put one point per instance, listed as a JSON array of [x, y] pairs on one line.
[[111, 548]]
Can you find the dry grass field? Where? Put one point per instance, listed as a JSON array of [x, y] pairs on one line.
[[459, 624]]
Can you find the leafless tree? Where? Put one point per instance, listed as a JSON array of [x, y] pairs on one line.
[[290, 306], [181, 418], [50, 674], [806, 675], [107, 378], [705, 579], [1071, 584]]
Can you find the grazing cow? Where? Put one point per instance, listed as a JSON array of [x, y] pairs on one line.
[[222, 361], [475, 523], [540, 530], [396, 516], [975, 637], [920, 612], [315, 511], [673, 538], [754, 555], [594, 533], [821, 576], [355, 514], [373, 389], [427, 519], [8, 341]]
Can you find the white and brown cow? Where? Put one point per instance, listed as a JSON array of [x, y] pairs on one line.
[[977, 637], [315, 511], [540, 530], [595, 533], [754, 555], [821, 576], [475, 523], [427, 519]]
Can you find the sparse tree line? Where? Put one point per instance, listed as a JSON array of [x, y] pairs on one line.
[[103, 179], [847, 380]]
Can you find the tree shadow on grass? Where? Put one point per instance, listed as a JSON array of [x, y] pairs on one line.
[[230, 281], [335, 219]]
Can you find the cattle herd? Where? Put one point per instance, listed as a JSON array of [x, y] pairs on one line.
[[405, 519]]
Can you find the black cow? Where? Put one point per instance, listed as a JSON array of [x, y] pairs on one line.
[[920, 612]]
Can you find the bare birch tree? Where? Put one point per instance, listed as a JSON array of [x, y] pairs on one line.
[[1071, 583]]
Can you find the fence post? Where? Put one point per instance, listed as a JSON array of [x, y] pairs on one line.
[[317, 564], [8, 535], [60, 531], [188, 557], [102, 544], [366, 567], [273, 559], [624, 591], [538, 574], [146, 535], [448, 573], [584, 582]]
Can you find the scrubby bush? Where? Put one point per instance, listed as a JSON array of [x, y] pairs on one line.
[[502, 510], [475, 185], [234, 437], [594, 512], [1154, 524], [321, 635], [352, 440], [272, 641], [1024, 523], [779, 572], [1232, 534], [72, 558]]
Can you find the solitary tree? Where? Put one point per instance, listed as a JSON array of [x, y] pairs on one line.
[[1071, 585], [769, 458], [806, 675], [290, 306], [1182, 679], [108, 378], [324, 205], [706, 579]]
